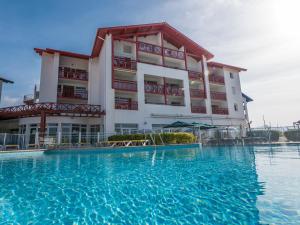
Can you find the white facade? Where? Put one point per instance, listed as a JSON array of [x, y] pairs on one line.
[[134, 107]]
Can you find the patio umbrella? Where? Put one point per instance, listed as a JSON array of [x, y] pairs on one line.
[[178, 124], [203, 126]]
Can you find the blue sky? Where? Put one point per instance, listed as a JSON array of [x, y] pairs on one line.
[[259, 35]]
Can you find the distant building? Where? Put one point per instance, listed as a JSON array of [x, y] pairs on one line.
[[2, 80], [137, 77]]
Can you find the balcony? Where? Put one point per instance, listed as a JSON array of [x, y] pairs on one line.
[[218, 95], [157, 89], [197, 93], [198, 109], [220, 111], [72, 95], [195, 75], [216, 79], [124, 63], [125, 85], [126, 104], [72, 74]]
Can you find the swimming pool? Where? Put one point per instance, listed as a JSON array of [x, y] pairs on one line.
[[188, 185]]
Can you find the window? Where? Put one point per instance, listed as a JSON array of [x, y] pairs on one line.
[[236, 107], [231, 75], [233, 90], [126, 128], [127, 49]]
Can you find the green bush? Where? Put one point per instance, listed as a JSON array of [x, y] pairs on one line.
[[274, 134], [292, 135], [167, 138]]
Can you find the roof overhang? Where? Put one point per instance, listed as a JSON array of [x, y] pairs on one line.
[[248, 99], [170, 34], [6, 81], [63, 53], [221, 65]]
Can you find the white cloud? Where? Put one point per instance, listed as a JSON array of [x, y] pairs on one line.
[[10, 101]]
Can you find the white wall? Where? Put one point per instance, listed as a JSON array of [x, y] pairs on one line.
[[49, 77], [231, 97]]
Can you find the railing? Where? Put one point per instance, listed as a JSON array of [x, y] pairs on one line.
[[73, 74], [124, 63], [126, 105], [158, 50], [149, 48], [198, 109], [221, 111], [196, 93], [218, 95], [125, 85], [81, 96], [216, 79], [175, 91], [50, 108], [174, 53], [154, 88], [195, 75]]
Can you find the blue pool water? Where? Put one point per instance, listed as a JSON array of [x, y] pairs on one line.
[[250, 185]]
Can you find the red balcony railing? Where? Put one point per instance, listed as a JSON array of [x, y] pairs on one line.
[[154, 88], [81, 95], [198, 109], [218, 95], [124, 63], [126, 105], [72, 74], [149, 48], [216, 79], [175, 91], [220, 111], [195, 75], [125, 85], [197, 93]]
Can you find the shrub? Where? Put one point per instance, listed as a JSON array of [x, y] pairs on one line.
[[292, 135], [274, 134], [167, 138]]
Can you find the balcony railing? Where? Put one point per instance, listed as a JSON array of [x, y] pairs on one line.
[[124, 63], [81, 95], [195, 75], [220, 111], [154, 88], [157, 50], [125, 85], [218, 95], [149, 48], [196, 93], [174, 91], [126, 105], [216, 79], [198, 109], [72, 74], [173, 53]]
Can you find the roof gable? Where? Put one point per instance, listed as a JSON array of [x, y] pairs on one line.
[[170, 34]]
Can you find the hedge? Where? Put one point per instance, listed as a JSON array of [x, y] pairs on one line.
[[264, 134], [167, 138], [292, 135]]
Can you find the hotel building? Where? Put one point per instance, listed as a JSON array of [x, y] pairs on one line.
[[139, 77]]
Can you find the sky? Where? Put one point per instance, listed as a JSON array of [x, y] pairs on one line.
[[260, 35]]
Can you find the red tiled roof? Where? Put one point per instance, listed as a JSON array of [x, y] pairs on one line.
[[64, 53]]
